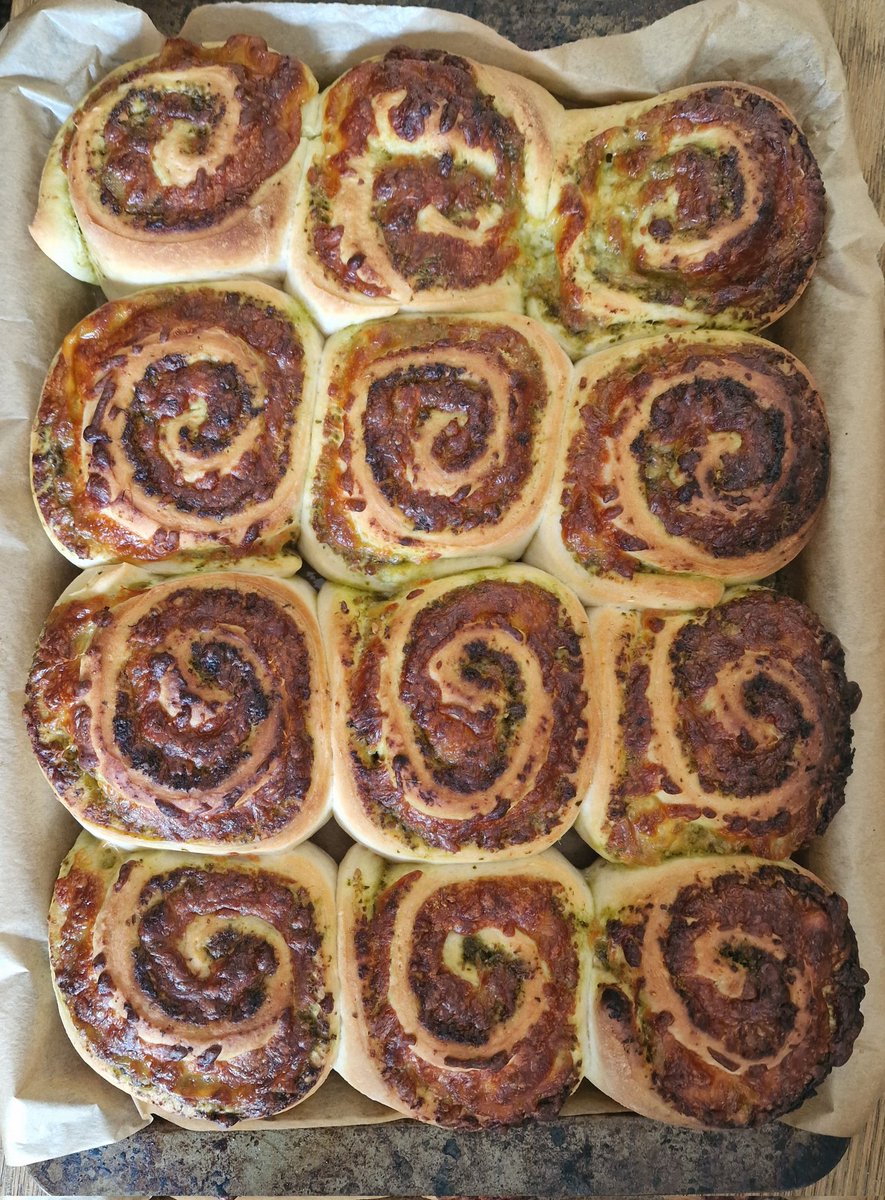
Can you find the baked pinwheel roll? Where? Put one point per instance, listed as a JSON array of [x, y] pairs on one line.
[[464, 722], [433, 446], [723, 990], [184, 713], [180, 166], [688, 462], [463, 988], [703, 206], [205, 987], [416, 188], [175, 424], [722, 730]]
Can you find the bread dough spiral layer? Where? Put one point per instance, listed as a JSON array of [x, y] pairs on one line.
[[433, 446], [205, 987], [416, 188], [723, 991], [463, 987], [703, 206], [181, 166], [722, 730], [688, 462], [190, 713], [175, 425], [464, 723]]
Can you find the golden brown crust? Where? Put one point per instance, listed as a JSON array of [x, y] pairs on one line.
[[432, 448], [463, 987], [688, 462], [723, 991], [723, 730], [205, 987], [703, 206], [182, 166], [189, 713], [464, 725], [415, 195], [175, 425]]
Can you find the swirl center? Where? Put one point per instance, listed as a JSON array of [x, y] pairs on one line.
[[741, 711], [436, 414], [709, 443], [728, 953], [230, 986], [175, 731], [477, 986], [691, 192], [446, 170], [185, 421], [468, 972], [466, 719], [215, 947], [178, 126]]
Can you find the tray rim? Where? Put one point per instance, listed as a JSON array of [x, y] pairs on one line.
[[549, 1159]]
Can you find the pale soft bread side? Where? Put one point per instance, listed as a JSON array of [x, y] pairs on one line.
[[327, 563], [361, 876], [352, 1060], [672, 571], [55, 228], [342, 613], [330, 305], [307, 866], [378, 526], [109, 581], [333, 613], [537, 114], [610, 629]]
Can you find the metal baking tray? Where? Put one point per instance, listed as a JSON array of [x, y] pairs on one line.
[[604, 1155], [611, 1155]]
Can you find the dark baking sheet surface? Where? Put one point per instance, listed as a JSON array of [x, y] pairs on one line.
[[580, 1156]]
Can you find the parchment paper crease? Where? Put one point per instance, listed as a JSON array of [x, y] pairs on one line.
[[50, 1102]]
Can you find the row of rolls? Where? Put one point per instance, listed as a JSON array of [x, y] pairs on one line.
[[707, 992], [474, 717], [208, 422], [424, 180]]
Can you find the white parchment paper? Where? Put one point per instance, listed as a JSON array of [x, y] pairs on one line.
[[50, 1102]]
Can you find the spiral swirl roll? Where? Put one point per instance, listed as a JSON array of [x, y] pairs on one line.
[[205, 987], [688, 462], [464, 724], [175, 424], [463, 988], [723, 991], [722, 730], [182, 166], [415, 191], [433, 446], [188, 713], [704, 206]]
